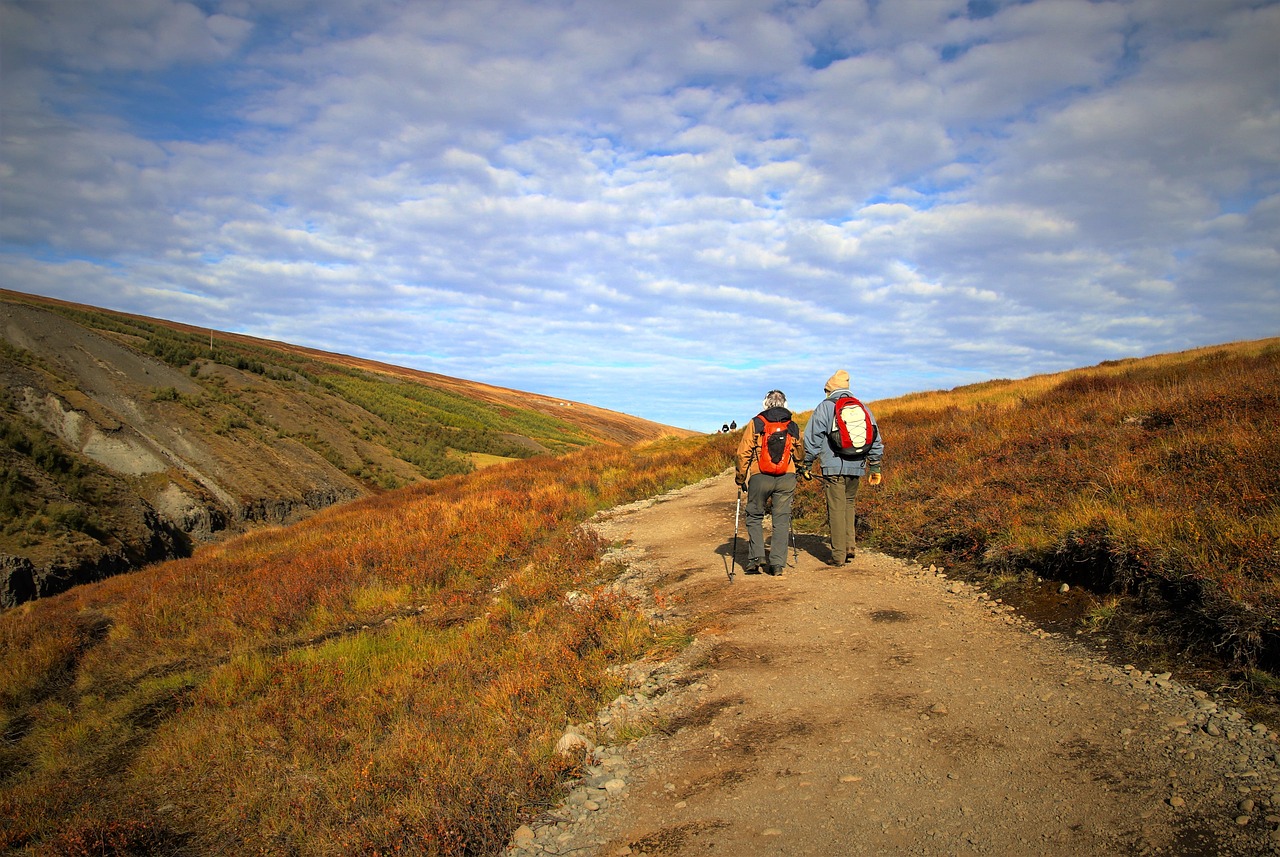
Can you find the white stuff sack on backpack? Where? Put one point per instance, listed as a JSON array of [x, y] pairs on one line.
[[853, 429]]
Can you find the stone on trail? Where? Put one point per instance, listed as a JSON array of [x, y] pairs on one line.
[[523, 837], [573, 743]]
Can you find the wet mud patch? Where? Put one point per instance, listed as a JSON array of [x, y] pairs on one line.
[[1091, 761], [962, 742], [702, 715], [670, 576], [715, 781], [1195, 836], [758, 734], [672, 840], [906, 702], [719, 589], [689, 679], [890, 616], [727, 655], [753, 601], [1047, 606]]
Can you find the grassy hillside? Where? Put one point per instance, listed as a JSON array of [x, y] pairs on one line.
[[1154, 484], [125, 439], [389, 675], [404, 408]]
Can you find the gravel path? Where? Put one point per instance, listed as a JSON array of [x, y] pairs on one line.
[[884, 709]]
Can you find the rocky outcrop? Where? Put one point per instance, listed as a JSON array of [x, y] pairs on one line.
[[284, 510], [17, 580], [151, 538], [157, 536], [174, 463], [29, 581]]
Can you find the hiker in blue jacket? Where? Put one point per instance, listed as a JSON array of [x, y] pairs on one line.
[[841, 469]]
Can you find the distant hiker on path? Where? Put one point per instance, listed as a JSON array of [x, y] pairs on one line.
[[843, 439], [768, 455]]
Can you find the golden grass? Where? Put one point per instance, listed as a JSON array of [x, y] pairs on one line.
[[1006, 393], [1157, 477], [387, 676], [481, 460], [391, 675]]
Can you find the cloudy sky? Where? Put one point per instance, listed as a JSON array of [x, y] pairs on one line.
[[664, 208]]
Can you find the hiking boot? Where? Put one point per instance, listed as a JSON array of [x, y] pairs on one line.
[[753, 567], [775, 570]]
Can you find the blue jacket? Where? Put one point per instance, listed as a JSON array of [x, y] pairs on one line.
[[818, 445]]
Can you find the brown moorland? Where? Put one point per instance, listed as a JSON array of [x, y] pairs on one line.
[[392, 674], [1151, 487]]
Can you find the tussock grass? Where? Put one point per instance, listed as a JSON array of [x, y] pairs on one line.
[[1156, 479], [389, 676]]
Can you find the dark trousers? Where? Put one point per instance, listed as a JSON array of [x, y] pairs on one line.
[[760, 489], [841, 491]]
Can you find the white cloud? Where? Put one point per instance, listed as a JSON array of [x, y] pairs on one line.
[[120, 35], [668, 207]]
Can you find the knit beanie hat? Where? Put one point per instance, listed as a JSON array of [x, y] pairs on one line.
[[838, 381]]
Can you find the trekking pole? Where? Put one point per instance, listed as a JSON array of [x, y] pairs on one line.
[[741, 488], [853, 536], [804, 473], [733, 557]]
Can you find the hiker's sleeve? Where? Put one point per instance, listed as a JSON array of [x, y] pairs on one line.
[[876, 453], [746, 444], [815, 431]]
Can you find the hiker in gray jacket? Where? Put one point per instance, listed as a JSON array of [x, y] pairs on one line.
[[840, 471]]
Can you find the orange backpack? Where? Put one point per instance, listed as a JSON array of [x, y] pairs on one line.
[[776, 441]]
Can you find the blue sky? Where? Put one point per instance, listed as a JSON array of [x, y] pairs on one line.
[[664, 208]]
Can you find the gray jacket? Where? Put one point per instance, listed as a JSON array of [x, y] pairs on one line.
[[818, 445]]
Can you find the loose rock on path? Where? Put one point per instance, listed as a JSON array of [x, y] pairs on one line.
[[882, 708]]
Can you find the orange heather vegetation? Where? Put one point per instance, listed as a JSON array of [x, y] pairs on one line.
[[387, 676], [391, 676], [1155, 483]]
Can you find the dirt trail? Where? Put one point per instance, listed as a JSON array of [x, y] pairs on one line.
[[883, 709]]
